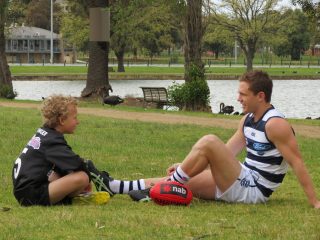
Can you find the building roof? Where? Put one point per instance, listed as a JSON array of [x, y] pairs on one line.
[[30, 33]]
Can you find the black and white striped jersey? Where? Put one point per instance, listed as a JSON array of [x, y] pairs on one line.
[[262, 156]]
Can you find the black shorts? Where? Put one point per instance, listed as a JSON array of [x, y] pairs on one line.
[[37, 195]]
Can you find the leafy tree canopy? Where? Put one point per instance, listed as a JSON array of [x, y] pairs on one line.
[[217, 39], [293, 36], [247, 20], [38, 15]]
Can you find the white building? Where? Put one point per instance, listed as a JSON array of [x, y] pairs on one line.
[[32, 45]]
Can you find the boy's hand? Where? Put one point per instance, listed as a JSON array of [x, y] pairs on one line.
[[88, 188], [52, 176]]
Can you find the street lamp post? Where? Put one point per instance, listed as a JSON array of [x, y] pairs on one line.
[[51, 40]]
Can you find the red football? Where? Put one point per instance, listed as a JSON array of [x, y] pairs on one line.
[[169, 192]]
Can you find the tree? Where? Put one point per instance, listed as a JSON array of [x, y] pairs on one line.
[[312, 9], [194, 94], [6, 89], [158, 26], [197, 89], [75, 29], [16, 11], [97, 78], [75, 25], [217, 39], [123, 15], [295, 34], [193, 37], [146, 24], [247, 20], [38, 15]]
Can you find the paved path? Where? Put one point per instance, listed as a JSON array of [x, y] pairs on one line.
[[302, 130]]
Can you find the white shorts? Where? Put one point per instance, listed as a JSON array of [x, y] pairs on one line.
[[243, 190]]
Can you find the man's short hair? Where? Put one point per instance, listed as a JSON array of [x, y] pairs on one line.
[[259, 81], [55, 107]]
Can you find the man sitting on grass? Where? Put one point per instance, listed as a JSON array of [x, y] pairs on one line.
[[48, 172], [212, 171]]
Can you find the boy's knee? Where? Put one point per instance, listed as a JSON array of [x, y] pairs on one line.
[[81, 178]]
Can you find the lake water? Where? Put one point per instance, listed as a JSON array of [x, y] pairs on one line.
[[295, 99]]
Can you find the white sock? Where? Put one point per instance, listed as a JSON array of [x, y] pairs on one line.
[[123, 187], [180, 176]]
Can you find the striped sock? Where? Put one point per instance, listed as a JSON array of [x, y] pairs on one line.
[[180, 176], [124, 187]]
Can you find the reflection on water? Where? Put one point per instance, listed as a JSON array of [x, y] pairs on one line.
[[296, 99]]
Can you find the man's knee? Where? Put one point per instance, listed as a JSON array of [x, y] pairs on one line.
[[209, 141], [206, 144]]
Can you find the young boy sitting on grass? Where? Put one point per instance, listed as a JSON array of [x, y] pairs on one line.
[[48, 172]]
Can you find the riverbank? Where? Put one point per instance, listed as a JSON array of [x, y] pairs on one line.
[[22, 73], [70, 77]]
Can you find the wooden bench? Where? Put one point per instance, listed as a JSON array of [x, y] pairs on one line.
[[158, 95]]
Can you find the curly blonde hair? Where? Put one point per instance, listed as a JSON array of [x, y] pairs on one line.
[[55, 107]]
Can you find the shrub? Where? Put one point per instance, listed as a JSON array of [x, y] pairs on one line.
[[196, 73], [193, 95], [197, 95], [176, 95], [7, 92]]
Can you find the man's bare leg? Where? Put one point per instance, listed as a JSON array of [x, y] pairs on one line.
[[211, 151], [209, 164], [203, 185]]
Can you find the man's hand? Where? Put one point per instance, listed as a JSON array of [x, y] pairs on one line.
[[317, 205]]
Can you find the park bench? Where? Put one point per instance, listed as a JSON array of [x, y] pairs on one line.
[[157, 95]]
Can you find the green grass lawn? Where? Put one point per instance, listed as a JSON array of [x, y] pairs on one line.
[[144, 70], [130, 150]]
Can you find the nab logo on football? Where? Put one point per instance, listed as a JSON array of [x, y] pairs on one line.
[[169, 192], [173, 189]]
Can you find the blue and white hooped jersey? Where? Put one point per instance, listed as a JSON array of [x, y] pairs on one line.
[[263, 158]]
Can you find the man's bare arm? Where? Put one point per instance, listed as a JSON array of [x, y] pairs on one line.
[[237, 142], [280, 133]]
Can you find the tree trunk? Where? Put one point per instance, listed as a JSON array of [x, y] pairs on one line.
[[193, 37], [97, 78], [249, 50], [295, 54], [135, 53], [216, 54], [250, 54], [249, 61], [196, 86], [120, 59], [5, 74]]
